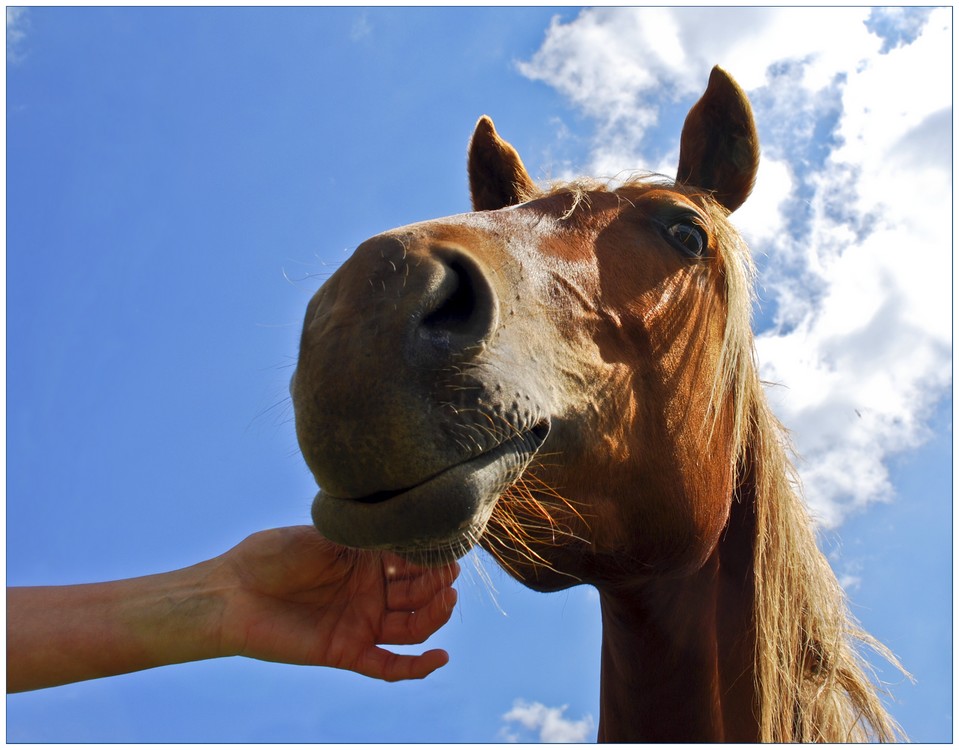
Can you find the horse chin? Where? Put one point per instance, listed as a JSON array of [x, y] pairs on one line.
[[439, 519]]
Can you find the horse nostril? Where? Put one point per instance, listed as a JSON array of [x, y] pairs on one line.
[[462, 310], [455, 311]]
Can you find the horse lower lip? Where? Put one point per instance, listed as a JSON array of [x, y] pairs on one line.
[[443, 510]]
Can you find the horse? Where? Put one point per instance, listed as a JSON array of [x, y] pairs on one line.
[[566, 377]]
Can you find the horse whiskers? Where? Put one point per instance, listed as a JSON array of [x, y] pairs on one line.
[[360, 560], [508, 535], [530, 483], [487, 584], [500, 428], [469, 431], [471, 543], [523, 553], [282, 411], [499, 551], [520, 520]]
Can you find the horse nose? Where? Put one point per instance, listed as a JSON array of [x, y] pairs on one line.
[[431, 299], [458, 309]]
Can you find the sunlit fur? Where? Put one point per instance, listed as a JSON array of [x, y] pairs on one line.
[[810, 679]]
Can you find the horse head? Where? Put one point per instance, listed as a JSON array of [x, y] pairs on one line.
[[547, 375]]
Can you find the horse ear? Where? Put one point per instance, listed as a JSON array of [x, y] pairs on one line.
[[497, 175], [719, 148]]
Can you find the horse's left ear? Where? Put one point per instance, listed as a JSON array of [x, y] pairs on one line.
[[719, 148], [497, 175]]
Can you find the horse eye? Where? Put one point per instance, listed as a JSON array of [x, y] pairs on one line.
[[690, 236]]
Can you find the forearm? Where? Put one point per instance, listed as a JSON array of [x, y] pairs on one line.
[[62, 634]]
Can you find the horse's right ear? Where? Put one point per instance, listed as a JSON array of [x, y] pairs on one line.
[[719, 148], [497, 175]]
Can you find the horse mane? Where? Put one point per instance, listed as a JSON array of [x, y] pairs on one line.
[[811, 680]]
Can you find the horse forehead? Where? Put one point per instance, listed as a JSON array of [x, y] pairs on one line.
[[506, 223], [525, 231]]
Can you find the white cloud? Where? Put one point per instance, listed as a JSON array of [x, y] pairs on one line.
[[760, 219], [851, 217], [361, 28], [849, 572], [17, 24], [549, 722]]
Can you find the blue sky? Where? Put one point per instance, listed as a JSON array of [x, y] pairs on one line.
[[181, 180]]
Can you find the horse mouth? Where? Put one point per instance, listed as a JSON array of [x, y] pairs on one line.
[[439, 519]]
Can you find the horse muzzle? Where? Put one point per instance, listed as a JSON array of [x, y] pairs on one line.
[[406, 434]]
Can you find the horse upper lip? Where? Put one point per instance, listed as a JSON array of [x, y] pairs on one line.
[[531, 439]]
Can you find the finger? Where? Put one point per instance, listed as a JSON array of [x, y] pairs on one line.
[[399, 567], [404, 628], [385, 665], [415, 591]]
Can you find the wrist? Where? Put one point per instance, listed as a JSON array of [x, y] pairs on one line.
[[185, 612], [167, 618]]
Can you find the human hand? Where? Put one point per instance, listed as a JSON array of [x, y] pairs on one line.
[[293, 596]]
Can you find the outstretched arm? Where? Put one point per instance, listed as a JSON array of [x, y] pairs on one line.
[[285, 595]]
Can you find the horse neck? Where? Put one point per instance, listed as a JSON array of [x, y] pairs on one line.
[[678, 655]]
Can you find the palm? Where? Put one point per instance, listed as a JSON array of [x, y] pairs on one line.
[[304, 600]]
